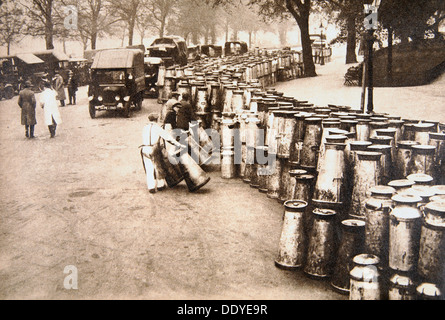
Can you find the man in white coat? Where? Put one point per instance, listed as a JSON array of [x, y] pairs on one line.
[[50, 107]]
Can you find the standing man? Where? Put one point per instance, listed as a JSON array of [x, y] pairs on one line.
[[51, 112], [152, 153], [186, 114], [27, 102], [72, 86], [58, 86], [173, 98]]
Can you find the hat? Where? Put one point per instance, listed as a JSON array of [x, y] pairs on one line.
[[28, 84]]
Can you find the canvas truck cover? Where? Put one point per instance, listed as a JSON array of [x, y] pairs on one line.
[[117, 59]]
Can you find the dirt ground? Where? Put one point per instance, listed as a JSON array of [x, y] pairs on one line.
[[81, 200]]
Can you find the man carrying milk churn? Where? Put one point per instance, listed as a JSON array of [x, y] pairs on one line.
[[58, 86], [151, 153], [27, 102]]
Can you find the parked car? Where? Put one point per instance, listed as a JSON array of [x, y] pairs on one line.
[[171, 49], [117, 81], [152, 65], [234, 48]]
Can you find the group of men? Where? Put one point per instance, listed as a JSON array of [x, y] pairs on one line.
[[176, 113], [48, 100]]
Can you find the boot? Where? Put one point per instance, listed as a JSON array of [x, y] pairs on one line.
[[31, 131], [26, 131]]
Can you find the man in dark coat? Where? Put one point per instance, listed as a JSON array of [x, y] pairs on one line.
[[72, 86], [27, 102], [186, 114]]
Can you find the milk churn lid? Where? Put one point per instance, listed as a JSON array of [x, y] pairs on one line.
[[420, 178], [383, 190], [383, 148], [438, 198], [353, 225], [423, 127], [403, 281], [423, 148], [439, 189], [297, 172], [406, 198], [324, 213], [366, 259], [401, 183], [364, 115], [359, 145], [436, 206], [313, 119], [336, 138], [295, 205], [379, 124], [379, 119], [396, 123], [429, 289], [424, 193], [407, 144]]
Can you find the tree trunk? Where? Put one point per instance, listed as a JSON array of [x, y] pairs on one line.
[[389, 65], [351, 56], [308, 59], [131, 31], [49, 31]]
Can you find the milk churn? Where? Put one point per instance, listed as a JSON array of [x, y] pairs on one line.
[[253, 104], [403, 158], [291, 188], [422, 132], [286, 134], [401, 185], [377, 210], [408, 130], [422, 160], [349, 125], [195, 177], [229, 127], [365, 278], [292, 245], [262, 177], [431, 264], [227, 102], [428, 291], [366, 176], [249, 164], [329, 186], [438, 141], [401, 287], [386, 164], [321, 247], [311, 143], [228, 168], [398, 126], [273, 180], [237, 101], [272, 134], [376, 125], [362, 129], [253, 171], [352, 241], [404, 233], [297, 138], [202, 105]]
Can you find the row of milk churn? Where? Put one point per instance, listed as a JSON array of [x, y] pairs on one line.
[[372, 219]]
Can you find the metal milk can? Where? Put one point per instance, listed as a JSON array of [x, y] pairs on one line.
[[297, 138], [398, 126], [321, 247], [362, 129], [421, 179], [273, 180], [377, 210], [237, 101], [352, 242], [311, 143], [422, 132], [376, 125], [286, 134], [262, 178], [228, 168], [365, 278], [329, 186], [403, 158], [422, 160], [366, 176], [292, 245], [401, 287], [202, 105], [431, 264], [429, 291], [404, 233], [386, 163], [285, 180]]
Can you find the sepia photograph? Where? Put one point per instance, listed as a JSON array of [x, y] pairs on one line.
[[222, 155]]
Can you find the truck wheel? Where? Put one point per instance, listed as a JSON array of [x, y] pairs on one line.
[[9, 93], [127, 109], [92, 109], [138, 102]]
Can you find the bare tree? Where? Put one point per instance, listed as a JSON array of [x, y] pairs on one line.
[[11, 24], [127, 11]]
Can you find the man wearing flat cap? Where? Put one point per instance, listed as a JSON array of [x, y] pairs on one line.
[[27, 102], [173, 98]]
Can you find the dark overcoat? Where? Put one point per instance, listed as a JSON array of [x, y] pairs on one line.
[[27, 102]]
